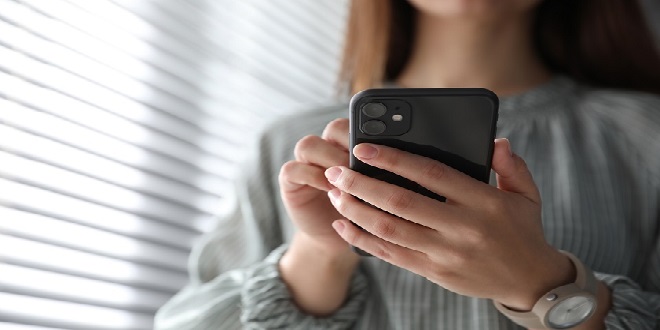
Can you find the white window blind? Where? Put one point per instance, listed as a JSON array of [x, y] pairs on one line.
[[120, 125]]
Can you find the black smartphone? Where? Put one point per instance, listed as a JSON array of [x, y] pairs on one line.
[[455, 126]]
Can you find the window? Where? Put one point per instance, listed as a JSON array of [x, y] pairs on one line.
[[120, 122]]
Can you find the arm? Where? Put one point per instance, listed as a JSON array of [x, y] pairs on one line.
[[499, 251], [319, 281], [625, 304], [254, 297], [233, 286]]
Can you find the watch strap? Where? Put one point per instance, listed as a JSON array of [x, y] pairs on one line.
[[585, 284]]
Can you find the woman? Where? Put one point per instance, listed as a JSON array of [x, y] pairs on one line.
[[571, 76]]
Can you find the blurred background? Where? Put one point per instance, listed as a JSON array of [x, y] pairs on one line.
[[121, 122]]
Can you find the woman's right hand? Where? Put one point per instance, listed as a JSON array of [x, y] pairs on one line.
[[304, 187]]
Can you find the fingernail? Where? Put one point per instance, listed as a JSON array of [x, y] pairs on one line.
[[338, 226], [332, 173], [365, 151]]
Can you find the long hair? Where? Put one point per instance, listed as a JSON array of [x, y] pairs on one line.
[[600, 43]]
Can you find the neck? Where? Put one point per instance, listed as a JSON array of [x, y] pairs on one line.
[[496, 54]]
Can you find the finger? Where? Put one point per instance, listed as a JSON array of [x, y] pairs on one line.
[[391, 198], [433, 175], [512, 172], [295, 175], [383, 225], [315, 150], [379, 248], [337, 132]]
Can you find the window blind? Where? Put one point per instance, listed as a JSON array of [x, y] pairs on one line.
[[121, 123]]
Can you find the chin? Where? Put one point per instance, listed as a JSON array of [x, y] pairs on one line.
[[473, 8]]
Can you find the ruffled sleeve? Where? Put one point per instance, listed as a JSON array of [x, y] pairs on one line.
[[632, 307], [267, 302]]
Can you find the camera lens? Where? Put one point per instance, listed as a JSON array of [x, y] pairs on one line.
[[373, 127], [374, 110]]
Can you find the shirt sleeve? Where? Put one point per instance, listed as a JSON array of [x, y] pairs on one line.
[[635, 305], [268, 304], [253, 298]]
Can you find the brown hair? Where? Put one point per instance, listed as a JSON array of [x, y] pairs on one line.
[[601, 43]]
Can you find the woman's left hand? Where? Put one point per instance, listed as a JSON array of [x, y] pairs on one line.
[[483, 242]]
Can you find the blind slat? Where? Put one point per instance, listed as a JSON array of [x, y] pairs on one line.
[[57, 79], [116, 32], [91, 240], [64, 58], [45, 284], [13, 326], [139, 139], [151, 66], [129, 61], [141, 61], [48, 312], [21, 196], [41, 256], [85, 188], [59, 155]]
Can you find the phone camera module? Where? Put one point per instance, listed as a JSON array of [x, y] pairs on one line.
[[373, 127], [374, 110]]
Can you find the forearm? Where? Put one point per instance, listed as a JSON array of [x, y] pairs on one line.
[[319, 281]]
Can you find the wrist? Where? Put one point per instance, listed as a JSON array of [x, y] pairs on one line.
[[318, 278], [311, 253], [554, 270], [572, 305]]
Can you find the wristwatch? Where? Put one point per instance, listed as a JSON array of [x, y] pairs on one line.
[[563, 307]]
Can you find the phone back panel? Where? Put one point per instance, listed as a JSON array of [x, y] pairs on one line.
[[455, 126]]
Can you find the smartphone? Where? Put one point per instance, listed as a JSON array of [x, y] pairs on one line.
[[455, 126]]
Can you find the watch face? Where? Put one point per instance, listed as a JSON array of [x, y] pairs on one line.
[[571, 312]]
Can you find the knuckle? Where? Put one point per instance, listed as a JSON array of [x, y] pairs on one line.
[[494, 204], [348, 181], [337, 125], [369, 243], [439, 272], [522, 164], [434, 170], [475, 236], [455, 260], [399, 201], [343, 206], [387, 159], [353, 237], [305, 144], [287, 170], [381, 251], [384, 228]]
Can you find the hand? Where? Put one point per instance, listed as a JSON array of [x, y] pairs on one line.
[[318, 265], [483, 242], [304, 187]]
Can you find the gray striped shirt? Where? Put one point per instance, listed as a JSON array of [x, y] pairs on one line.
[[595, 155]]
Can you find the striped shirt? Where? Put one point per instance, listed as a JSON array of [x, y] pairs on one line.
[[595, 155]]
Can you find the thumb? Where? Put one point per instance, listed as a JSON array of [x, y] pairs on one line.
[[512, 172]]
